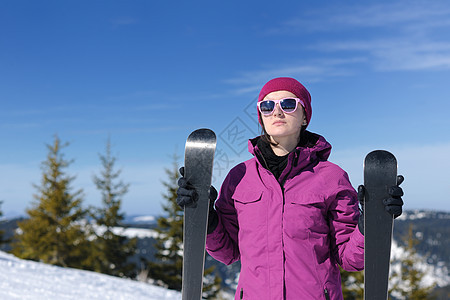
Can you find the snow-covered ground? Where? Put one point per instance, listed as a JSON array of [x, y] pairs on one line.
[[438, 275], [23, 279]]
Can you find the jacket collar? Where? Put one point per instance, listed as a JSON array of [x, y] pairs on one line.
[[311, 149]]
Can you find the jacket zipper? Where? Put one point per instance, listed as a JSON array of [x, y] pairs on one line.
[[294, 159], [281, 183], [284, 205], [327, 296]]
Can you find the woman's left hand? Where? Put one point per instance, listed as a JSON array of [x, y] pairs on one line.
[[393, 204]]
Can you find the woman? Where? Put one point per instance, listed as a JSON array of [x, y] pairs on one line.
[[287, 214]]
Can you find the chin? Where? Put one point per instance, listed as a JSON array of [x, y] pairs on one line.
[[282, 133]]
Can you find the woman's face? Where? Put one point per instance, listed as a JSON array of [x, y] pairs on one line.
[[281, 124]]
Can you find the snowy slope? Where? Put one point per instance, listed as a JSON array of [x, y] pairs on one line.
[[23, 279]]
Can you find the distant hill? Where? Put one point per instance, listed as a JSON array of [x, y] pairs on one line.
[[432, 230]]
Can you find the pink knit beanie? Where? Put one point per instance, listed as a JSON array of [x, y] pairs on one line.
[[290, 85]]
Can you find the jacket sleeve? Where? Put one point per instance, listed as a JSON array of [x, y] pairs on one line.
[[222, 243], [347, 242]]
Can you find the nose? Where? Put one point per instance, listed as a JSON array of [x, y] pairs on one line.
[[277, 110]]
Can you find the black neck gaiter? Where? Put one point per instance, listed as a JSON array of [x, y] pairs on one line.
[[274, 163]]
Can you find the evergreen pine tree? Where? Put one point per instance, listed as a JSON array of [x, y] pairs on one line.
[[112, 250], [54, 232], [410, 275], [352, 285], [167, 268]]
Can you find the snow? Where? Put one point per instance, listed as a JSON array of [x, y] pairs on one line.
[[138, 232], [129, 232], [144, 219], [422, 214], [23, 279], [438, 275]]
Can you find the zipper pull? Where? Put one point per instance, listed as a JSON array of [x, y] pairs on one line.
[[241, 296], [327, 297]]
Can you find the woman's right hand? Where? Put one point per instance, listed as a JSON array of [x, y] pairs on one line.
[[187, 197], [186, 193]]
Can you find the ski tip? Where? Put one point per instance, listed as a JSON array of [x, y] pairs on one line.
[[202, 138], [203, 133], [379, 152], [380, 155]]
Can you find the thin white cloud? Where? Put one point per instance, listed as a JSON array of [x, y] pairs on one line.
[[30, 112], [141, 95], [404, 35], [395, 53], [121, 21], [130, 130], [258, 76], [19, 125], [394, 13], [399, 15], [314, 71]]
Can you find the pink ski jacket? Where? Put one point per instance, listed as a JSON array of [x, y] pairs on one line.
[[292, 233]]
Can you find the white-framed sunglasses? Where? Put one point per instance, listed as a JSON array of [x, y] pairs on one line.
[[287, 105]]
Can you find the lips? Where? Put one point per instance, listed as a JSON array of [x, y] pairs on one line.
[[278, 123]]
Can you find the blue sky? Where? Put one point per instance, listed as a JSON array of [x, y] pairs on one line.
[[147, 73]]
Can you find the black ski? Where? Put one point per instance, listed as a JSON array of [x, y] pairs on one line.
[[198, 165], [380, 173]]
